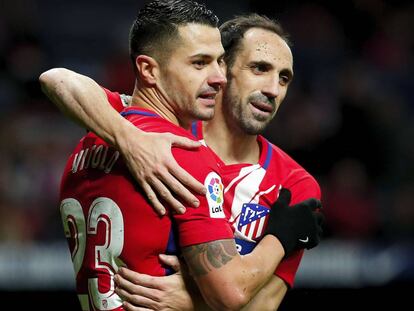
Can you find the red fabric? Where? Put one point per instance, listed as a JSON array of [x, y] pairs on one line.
[[114, 99], [97, 184], [280, 171], [260, 183]]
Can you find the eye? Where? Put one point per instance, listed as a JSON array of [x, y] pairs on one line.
[[259, 68], [221, 62], [284, 80], [199, 64]]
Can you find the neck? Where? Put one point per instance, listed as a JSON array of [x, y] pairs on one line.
[[231, 144], [154, 99]]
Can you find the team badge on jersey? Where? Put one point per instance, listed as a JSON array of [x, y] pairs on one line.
[[252, 220], [214, 195]]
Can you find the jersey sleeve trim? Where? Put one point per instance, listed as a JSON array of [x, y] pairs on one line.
[[288, 267], [200, 236]]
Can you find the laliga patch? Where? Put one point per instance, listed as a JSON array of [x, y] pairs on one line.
[[215, 197]]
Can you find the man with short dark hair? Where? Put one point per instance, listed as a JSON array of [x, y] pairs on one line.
[[111, 224], [259, 71]]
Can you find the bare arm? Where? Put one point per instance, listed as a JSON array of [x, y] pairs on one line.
[[81, 98], [169, 293], [162, 293], [227, 280], [148, 155], [269, 297]]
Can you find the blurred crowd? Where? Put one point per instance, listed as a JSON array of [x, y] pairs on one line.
[[348, 117]]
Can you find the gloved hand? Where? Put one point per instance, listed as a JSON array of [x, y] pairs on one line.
[[298, 226]]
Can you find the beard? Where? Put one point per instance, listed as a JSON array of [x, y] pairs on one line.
[[238, 114], [185, 107]]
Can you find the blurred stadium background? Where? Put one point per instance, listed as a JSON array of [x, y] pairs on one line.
[[348, 119]]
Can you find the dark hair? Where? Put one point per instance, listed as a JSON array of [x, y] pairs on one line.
[[233, 31], [156, 26]]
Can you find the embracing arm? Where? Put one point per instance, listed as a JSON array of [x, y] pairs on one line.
[[168, 293], [148, 155], [269, 297], [81, 98], [227, 280]]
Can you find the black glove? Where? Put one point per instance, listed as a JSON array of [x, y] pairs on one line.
[[297, 226]]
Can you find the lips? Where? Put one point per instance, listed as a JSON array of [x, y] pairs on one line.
[[208, 95], [262, 106]]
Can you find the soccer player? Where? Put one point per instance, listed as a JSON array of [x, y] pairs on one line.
[[109, 224], [259, 71]]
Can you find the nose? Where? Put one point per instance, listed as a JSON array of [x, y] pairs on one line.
[[272, 87], [217, 77]]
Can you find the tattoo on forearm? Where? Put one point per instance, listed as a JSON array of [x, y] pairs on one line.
[[203, 258]]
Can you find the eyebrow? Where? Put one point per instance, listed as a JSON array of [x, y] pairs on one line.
[[261, 63], [209, 56], [285, 71]]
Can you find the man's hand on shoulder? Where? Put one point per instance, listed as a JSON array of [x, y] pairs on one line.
[[151, 163]]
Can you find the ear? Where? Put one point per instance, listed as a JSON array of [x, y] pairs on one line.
[[147, 69]]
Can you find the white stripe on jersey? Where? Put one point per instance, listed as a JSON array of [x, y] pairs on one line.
[[261, 224], [257, 197], [246, 188], [243, 172]]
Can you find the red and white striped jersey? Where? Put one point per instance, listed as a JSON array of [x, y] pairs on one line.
[[251, 189]]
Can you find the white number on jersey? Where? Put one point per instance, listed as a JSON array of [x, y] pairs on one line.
[[106, 256]]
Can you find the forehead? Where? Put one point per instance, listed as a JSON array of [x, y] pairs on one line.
[[199, 39], [264, 45]]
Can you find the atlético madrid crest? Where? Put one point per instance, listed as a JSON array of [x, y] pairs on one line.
[[252, 219]]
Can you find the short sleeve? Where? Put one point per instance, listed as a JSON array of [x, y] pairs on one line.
[[288, 267], [303, 187], [114, 98], [207, 222]]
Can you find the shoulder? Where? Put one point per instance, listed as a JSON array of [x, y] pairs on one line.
[[199, 162], [292, 175], [115, 99], [149, 121]]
